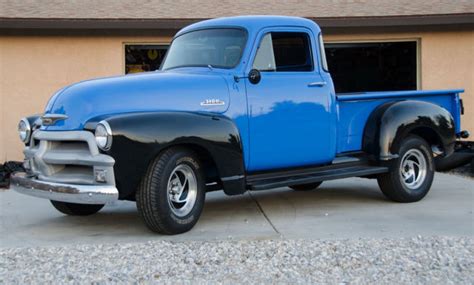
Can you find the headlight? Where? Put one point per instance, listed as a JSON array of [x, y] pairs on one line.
[[103, 135], [24, 130]]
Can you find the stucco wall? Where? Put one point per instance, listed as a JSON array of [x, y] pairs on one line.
[[32, 68], [35, 67]]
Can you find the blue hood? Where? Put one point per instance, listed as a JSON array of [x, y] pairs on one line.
[[151, 91]]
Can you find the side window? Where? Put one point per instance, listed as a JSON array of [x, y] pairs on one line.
[[265, 59], [284, 52]]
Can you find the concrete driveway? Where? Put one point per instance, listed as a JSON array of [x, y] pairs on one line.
[[350, 208]]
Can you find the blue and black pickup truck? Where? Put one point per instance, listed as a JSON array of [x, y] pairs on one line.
[[240, 103]]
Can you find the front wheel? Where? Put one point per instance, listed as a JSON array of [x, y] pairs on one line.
[[410, 175], [171, 196], [73, 209]]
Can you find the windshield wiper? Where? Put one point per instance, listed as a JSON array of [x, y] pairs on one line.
[[210, 67]]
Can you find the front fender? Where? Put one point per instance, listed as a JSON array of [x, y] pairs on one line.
[[139, 137], [392, 121]]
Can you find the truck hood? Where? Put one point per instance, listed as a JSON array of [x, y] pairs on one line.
[[146, 92]]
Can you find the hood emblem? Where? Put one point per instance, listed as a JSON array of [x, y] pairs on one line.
[[51, 119], [212, 102]]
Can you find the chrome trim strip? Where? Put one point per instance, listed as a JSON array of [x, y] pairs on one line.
[[69, 136], [235, 177], [82, 194], [77, 158]]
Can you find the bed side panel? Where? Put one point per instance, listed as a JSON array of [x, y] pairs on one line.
[[354, 112]]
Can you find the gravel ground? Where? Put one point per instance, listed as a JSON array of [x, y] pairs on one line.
[[434, 260]]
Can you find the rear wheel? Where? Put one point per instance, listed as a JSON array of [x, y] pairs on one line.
[[73, 209], [410, 176], [171, 196], [306, 187]]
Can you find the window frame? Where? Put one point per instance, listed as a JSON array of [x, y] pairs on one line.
[[309, 33], [322, 53]]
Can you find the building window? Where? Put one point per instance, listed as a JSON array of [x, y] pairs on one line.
[[377, 66], [143, 57]]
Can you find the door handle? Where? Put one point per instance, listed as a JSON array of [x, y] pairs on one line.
[[317, 84]]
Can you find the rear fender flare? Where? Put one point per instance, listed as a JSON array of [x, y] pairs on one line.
[[391, 122]]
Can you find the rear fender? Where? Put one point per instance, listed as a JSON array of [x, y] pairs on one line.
[[391, 122]]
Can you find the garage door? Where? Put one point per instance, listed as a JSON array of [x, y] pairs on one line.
[[374, 66]]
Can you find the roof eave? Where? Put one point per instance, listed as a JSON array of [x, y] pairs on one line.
[[174, 24]]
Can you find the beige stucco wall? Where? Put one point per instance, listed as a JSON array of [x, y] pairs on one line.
[[32, 68]]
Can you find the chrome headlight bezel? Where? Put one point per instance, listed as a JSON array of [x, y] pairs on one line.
[[103, 135], [24, 130]]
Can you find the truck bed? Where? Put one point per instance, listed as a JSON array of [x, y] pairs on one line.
[[353, 110]]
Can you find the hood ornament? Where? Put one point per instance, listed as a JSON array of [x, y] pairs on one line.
[[51, 119]]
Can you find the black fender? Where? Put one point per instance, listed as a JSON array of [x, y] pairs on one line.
[[139, 137], [392, 121]]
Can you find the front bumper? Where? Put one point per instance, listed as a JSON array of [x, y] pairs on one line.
[[80, 194]]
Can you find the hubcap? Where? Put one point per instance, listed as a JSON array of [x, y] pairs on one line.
[[413, 169], [182, 190]]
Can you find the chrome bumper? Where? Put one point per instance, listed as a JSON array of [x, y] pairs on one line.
[[80, 194]]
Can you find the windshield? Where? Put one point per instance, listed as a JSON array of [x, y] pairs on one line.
[[220, 48]]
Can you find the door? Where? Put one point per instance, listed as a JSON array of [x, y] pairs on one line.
[[289, 114]]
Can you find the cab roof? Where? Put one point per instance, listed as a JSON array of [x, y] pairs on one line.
[[253, 23]]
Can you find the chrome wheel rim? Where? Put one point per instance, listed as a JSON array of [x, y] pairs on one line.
[[413, 169], [182, 190]]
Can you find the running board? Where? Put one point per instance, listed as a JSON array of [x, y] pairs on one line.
[[303, 176]]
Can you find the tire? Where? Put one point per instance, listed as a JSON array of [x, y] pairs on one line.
[[164, 188], [73, 209], [306, 187], [410, 175]]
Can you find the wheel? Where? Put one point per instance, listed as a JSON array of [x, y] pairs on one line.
[[73, 209], [306, 187], [410, 175], [171, 196]]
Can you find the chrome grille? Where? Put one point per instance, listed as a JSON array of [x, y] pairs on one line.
[[67, 157]]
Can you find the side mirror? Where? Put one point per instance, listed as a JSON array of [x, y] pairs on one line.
[[254, 76]]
